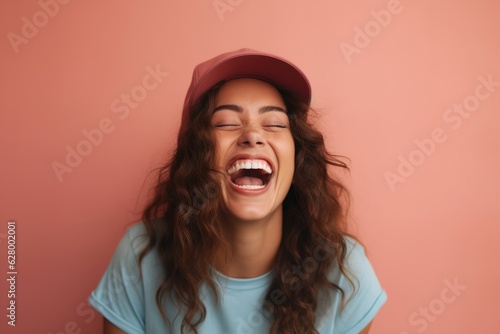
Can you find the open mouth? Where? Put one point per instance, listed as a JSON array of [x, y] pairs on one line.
[[250, 174]]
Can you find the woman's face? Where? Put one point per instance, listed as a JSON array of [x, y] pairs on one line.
[[254, 148]]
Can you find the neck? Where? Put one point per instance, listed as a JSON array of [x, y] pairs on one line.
[[253, 246]]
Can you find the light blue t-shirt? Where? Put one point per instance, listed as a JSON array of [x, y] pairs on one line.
[[129, 302]]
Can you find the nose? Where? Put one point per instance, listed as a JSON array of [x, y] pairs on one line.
[[251, 135]]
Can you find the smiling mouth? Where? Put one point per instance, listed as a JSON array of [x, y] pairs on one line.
[[252, 174]]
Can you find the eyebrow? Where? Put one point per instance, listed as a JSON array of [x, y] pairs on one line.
[[237, 108]]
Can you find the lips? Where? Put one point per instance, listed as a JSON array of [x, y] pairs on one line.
[[250, 174]]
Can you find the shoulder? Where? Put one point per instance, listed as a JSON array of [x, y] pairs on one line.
[[362, 295], [127, 254], [355, 261], [120, 295], [356, 258], [358, 268], [137, 234], [135, 239]]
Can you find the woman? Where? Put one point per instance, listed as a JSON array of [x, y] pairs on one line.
[[246, 231]]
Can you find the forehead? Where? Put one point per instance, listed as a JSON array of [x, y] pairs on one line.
[[248, 90]]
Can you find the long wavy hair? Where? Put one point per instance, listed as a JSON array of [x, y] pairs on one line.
[[184, 224]]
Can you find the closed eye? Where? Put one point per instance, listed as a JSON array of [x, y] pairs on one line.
[[275, 126], [225, 125]]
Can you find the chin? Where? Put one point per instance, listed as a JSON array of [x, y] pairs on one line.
[[251, 212]]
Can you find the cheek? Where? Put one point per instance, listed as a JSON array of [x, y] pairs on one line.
[[290, 147], [291, 156], [221, 145], [286, 151], [219, 156]]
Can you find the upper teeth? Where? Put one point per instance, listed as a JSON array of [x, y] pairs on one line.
[[250, 164]]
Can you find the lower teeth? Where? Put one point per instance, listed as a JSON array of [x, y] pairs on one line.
[[250, 186]]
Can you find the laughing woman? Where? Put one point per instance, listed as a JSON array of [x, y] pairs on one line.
[[246, 232]]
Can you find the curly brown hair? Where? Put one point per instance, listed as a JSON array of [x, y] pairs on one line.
[[184, 225]]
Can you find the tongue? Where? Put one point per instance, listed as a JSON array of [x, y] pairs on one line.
[[248, 180]]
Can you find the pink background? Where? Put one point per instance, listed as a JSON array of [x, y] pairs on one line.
[[437, 225]]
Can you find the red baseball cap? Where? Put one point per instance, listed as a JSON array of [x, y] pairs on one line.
[[245, 63]]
